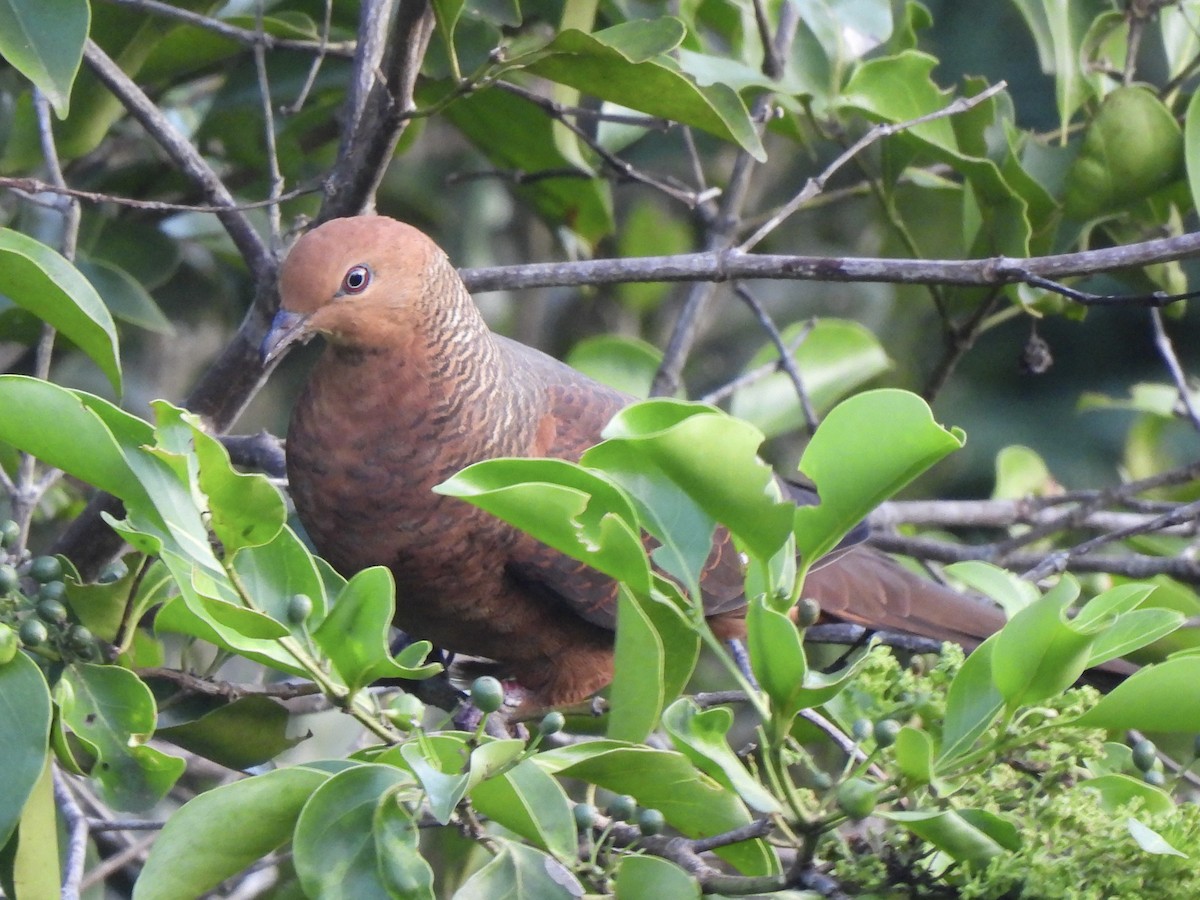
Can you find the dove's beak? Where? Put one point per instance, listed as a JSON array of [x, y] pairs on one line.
[[286, 329]]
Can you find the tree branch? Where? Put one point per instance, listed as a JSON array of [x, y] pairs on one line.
[[720, 266]]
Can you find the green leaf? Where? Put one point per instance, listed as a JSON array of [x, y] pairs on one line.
[[706, 454], [1021, 473], [1150, 840], [972, 837], [777, 659], [1149, 700], [219, 832], [532, 804], [655, 654], [914, 754], [273, 573], [43, 40], [1117, 790], [61, 428], [124, 296], [24, 735], [444, 789], [701, 736], [403, 871], [238, 734], [1132, 148], [335, 847], [1010, 591], [36, 867], [518, 872], [972, 704], [575, 511], [1040, 652], [690, 800], [517, 136], [651, 878], [114, 711], [41, 281], [836, 357], [355, 633], [867, 449], [625, 363], [1058, 28], [625, 65]]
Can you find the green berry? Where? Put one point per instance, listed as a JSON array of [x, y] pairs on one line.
[[33, 632], [1154, 777], [861, 729], [487, 694], [300, 607], [1145, 755], [80, 638], [114, 571], [45, 568], [405, 711], [10, 533], [856, 797], [585, 816], [52, 590], [808, 611], [9, 580], [886, 731], [552, 723], [622, 807], [8, 644], [51, 611], [651, 821]]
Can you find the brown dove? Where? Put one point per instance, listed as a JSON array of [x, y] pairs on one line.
[[412, 387]]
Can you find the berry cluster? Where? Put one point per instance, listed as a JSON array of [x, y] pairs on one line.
[[33, 614]]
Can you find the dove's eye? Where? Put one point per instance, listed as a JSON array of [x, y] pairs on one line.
[[356, 280]]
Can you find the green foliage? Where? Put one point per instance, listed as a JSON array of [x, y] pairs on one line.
[[987, 776]]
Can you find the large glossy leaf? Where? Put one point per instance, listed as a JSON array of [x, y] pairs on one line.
[[335, 849], [43, 40], [355, 633], [1149, 700], [868, 448], [519, 872], [220, 832], [627, 64], [972, 837], [24, 733], [242, 733], [114, 711], [575, 511], [529, 802], [40, 280], [63, 430], [972, 704], [1041, 653], [36, 867], [651, 878], [656, 652], [702, 736], [663, 451]]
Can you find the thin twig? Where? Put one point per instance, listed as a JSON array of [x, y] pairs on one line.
[[33, 186], [721, 225], [274, 176], [786, 362], [77, 835], [1162, 341], [760, 372], [728, 265]]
